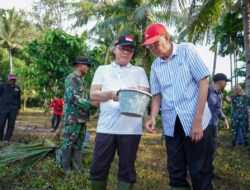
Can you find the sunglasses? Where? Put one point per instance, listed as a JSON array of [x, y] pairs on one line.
[[150, 46], [126, 48]]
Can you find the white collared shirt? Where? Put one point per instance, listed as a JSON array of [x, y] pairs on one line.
[[116, 77], [177, 78]]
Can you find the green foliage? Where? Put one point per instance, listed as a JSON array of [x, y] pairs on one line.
[[229, 34], [52, 60], [11, 25], [203, 17], [225, 106], [4, 68], [95, 57]]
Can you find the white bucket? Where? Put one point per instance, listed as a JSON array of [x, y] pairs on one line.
[[133, 102]]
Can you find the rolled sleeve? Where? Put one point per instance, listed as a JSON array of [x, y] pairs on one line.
[[197, 66]]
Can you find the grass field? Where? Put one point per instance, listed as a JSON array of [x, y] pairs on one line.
[[232, 164]]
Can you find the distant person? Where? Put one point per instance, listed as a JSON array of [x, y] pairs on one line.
[[76, 111], [214, 100], [10, 104], [239, 116], [57, 108]]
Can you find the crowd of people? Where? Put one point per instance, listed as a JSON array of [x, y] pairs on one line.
[[179, 84]]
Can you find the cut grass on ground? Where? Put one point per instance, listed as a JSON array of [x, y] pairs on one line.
[[233, 165]]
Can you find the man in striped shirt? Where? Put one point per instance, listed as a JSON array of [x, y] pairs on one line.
[[179, 85]]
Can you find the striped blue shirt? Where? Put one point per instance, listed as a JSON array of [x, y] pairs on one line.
[[176, 78]]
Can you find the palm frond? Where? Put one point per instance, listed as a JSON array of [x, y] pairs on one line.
[[28, 154], [204, 19]]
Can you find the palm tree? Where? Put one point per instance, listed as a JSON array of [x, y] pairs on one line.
[[246, 24], [115, 18], [11, 25]]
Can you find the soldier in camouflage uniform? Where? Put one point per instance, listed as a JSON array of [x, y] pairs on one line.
[[239, 114], [75, 117]]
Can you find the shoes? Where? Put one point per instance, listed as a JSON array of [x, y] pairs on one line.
[[66, 161], [77, 160]]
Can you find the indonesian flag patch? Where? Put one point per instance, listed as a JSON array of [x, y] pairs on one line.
[[129, 38]]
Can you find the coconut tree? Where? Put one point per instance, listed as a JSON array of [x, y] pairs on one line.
[[230, 38], [115, 18], [11, 26]]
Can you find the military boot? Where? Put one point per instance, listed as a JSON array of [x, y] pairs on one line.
[[124, 186], [66, 161], [98, 185], [77, 160]]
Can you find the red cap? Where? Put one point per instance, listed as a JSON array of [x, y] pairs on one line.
[[153, 33]]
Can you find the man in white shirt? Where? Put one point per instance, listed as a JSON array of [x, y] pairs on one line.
[[116, 132]]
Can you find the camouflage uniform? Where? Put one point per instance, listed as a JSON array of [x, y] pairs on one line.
[[75, 112], [239, 116]]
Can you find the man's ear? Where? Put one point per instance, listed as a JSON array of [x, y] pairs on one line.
[[167, 37]]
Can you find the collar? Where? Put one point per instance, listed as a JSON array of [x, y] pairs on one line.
[[114, 64], [77, 74], [174, 52], [213, 90]]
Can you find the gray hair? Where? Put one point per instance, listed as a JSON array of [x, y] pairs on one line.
[[237, 86]]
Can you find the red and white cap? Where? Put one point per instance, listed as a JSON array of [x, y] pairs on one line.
[[153, 33], [126, 40]]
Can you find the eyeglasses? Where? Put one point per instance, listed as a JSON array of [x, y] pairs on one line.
[[150, 46], [126, 48]]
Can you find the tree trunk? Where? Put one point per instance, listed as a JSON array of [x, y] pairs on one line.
[[235, 68], [106, 56], [10, 59], [215, 59], [246, 25], [25, 103], [231, 70]]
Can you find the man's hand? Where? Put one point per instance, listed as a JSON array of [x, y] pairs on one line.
[[196, 133], [95, 103], [114, 96], [226, 125], [228, 99], [150, 125]]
